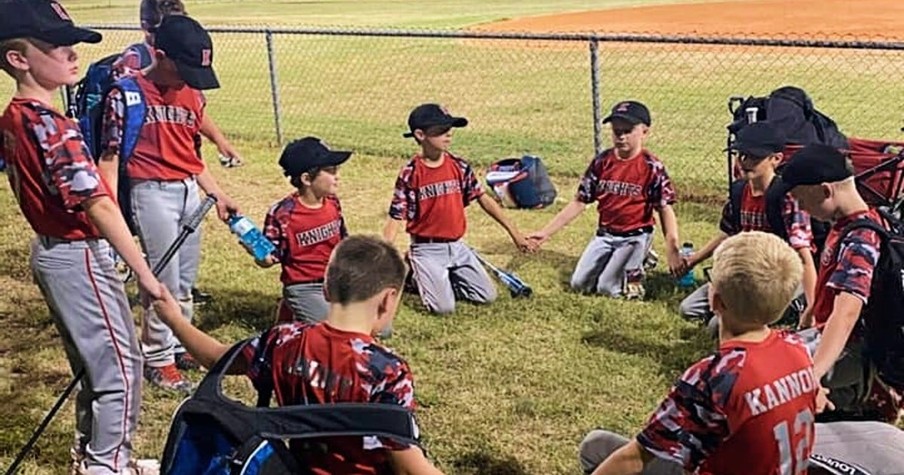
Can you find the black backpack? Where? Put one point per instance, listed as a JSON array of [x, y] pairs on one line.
[[882, 318], [214, 435], [791, 110], [774, 204]]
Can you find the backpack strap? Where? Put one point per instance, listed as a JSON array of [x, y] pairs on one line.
[[134, 113], [775, 206], [735, 193]]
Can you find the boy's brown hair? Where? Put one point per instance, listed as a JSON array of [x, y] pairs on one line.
[[13, 44], [756, 275], [361, 267]]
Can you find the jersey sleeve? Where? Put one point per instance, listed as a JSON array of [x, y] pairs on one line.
[[587, 188], [470, 186], [397, 388], [403, 206], [662, 191], [273, 230], [857, 258], [113, 122], [690, 423], [727, 222], [797, 224], [343, 229], [69, 170]]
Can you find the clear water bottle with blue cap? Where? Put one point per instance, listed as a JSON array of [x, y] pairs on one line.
[[687, 280], [252, 237]]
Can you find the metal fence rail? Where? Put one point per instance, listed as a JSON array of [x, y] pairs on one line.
[[532, 93]]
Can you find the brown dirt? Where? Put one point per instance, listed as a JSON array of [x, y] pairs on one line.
[[877, 20]]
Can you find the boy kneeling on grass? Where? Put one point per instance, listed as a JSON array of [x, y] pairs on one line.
[[364, 282], [755, 399]]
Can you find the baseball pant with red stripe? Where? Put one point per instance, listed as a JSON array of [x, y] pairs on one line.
[[89, 307]]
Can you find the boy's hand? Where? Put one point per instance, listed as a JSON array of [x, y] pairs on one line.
[[167, 308], [677, 265], [539, 237], [151, 287], [524, 244], [229, 156], [226, 206], [822, 401], [806, 318]]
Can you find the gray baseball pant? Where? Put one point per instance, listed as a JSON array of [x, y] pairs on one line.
[[159, 209], [307, 302], [874, 446], [696, 305], [606, 261], [445, 272], [89, 307]]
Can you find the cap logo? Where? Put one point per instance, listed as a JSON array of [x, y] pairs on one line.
[[205, 57], [623, 107], [325, 145], [60, 11], [445, 111]]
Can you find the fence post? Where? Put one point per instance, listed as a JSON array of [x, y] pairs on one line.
[[595, 93], [274, 87]]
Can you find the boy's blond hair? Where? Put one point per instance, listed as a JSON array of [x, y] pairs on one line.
[[12, 44], [756, 275]]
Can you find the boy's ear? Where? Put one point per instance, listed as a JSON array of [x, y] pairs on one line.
[[17, 60], [420, 135], [827, 190]]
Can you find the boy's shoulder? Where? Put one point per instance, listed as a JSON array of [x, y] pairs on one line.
[[33, 108], [285, 204]]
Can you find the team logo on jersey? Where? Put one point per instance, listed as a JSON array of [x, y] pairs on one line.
[[60, 11], [133, 98], [206, 57]]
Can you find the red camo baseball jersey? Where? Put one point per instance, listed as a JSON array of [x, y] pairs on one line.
[[166, 145], [753, 218], [852, 270], [50, 169], [626, 191], [318, 364], [304, 237], [433, 200], [749, 409]]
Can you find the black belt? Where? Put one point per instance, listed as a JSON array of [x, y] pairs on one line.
[[430, 240], [601, 231], [303, 282]]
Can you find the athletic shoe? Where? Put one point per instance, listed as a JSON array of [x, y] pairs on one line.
[[186, 362], [134, 467], [200, 297], [168, 377]]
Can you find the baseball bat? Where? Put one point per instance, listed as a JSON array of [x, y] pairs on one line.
[[189, 226], [516, 286]]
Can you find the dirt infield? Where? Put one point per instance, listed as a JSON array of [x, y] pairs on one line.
[[812, 19]]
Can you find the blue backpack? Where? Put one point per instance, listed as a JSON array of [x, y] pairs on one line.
[[521, 182], [88, 109], [214, 435]]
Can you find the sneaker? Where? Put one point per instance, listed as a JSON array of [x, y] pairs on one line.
[[167, 377], [134, 467], [186, 362], [200, 297]]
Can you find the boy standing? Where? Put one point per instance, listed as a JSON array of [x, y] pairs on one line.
[[307, 225], [165, 174], [430, 195], [759, 148], [756, 398], [364, 280], [69, 206], [821, 178], [627, 182]]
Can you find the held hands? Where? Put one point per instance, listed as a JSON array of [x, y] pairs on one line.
[[539, 238], [226, 206], [167, 308], [524, 244], [150, 287], [678, 266], [806, 318]]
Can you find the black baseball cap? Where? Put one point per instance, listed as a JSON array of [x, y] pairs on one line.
[[759, 140], [425, 116], [188, 44], [45, 20], [631, 111], [309, 153], [813, 165]]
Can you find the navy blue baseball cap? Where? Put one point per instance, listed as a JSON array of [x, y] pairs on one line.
[[188, 44], [759, 140], [813, 165], [632, 112], [425, 116], [45, 20], [308, 153]]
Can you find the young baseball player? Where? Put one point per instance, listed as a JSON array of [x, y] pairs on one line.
[[69, 206], [627, 182], [364, 280], [307, 225], [822, 179], [166, 175], [755, 399], [430, 196], [841, 448], [759, 148]]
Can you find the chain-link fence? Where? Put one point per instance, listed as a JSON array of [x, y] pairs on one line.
[[530, 93]]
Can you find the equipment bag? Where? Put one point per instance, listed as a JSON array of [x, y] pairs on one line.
[[214, 435], [521, 182]]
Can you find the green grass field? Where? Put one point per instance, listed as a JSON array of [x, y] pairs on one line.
[[510, 388]]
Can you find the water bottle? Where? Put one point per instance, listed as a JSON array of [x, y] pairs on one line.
[[687, 280], [251, 236]]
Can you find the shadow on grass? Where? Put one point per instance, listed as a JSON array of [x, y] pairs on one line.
[[254, 309], [486, 463]]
